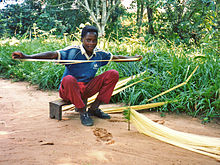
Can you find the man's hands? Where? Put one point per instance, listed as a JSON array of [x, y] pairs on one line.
[[18, 55]]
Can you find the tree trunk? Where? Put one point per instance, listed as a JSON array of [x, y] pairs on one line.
[[138, 11], [104, 18], [100, 18], [140, 14], [150, 19]]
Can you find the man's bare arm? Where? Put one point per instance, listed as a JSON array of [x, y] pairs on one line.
[[44, 55]]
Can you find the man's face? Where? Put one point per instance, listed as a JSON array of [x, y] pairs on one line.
[[90, 42]]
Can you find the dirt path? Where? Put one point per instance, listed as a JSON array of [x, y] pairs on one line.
[[29, 137]]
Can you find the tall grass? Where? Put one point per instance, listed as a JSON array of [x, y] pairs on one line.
[[168, 65], [45, 75]]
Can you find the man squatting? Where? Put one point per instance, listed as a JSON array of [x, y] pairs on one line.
[[79, 82]]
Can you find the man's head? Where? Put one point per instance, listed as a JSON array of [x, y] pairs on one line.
[[87, 29], [89, 38]]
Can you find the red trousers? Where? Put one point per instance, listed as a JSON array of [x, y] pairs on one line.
[[76, 92]]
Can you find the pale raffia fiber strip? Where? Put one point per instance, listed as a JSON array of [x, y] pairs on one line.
[[184, 83], [65, 62], [126, 80], [209, 146], [135, 107]]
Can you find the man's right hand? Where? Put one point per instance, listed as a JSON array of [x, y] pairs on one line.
[[18, 55]]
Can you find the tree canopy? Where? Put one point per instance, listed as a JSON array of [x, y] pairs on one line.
[[184, 21]]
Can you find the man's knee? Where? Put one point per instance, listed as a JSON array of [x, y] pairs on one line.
[[114, 74], [69, 79]]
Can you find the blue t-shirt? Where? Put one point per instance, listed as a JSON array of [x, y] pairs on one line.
[[83, 72]]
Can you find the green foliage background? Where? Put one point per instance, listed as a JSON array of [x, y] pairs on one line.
[[183, 39], [167, 65]]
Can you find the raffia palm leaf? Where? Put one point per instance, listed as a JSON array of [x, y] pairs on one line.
[[135, 107], [171, 89], [205, 145]]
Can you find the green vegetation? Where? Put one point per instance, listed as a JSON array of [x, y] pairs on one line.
[[167, 64], [173, 37]]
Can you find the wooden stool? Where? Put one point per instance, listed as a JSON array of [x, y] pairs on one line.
[[56, 108]]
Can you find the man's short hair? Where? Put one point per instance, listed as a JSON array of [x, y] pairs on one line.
[[87, 29]]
